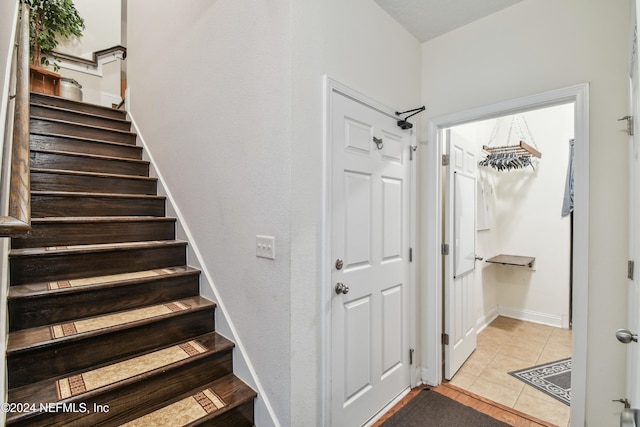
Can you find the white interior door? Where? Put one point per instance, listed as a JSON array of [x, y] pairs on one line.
[[370, 236], [633, 356], [459, 265]]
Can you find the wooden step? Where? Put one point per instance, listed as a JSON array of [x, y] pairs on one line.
[[89, 342], [132, 387], [56, 101], [34, 265], [60, 127], [67, 115], [72, 181], [229, 405], [56, 204], [65, 231], [39, 304], [53, 142], [47, 159]]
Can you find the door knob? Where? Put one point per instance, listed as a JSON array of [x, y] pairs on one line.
[[341, 288], [625, 336]]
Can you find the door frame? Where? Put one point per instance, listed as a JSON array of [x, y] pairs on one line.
[[326, 293], [432, 204]]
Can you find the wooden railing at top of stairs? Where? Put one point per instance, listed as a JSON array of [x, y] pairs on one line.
[[18, 220]]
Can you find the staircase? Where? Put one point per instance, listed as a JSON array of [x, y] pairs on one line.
[[106, 324]]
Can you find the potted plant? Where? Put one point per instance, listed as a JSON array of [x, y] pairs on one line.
[[50, 22]]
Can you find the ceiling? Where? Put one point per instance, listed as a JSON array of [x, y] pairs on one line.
[[427, 19]]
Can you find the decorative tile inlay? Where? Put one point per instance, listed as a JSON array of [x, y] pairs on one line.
[[91, 380], [182, 412], [101, 322]]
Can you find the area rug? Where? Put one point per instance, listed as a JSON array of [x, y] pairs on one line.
[[552, 378], [431, 409]]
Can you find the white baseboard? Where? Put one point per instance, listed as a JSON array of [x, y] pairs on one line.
[[485, 320], [533, 316]]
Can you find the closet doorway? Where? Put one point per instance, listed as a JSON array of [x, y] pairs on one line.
[[432, 206], [521, 305]]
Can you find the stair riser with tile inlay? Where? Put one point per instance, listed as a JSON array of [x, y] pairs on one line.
[[160, 385], [78, 117], [63, 264], [86, 163], [42, 99], [52, 204], [68, 303], [52, 126], [84, 146], [80, 351], [78, 231]]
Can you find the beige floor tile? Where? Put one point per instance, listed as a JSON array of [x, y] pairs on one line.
[[553, 412], [463, 380], [507, 345], [501, 377], [496, 392]]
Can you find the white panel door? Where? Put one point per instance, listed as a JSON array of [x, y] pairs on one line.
[[459, 264], [370, 235], [633, 356]]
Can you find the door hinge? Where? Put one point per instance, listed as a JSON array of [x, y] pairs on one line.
[[411, 356], [411, 151], [445, 339], [630, 269], [444, 249], [410, 254], [445, 160], [629, 120]]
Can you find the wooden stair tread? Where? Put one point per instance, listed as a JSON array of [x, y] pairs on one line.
[[124, 372], [102, 247], [82, 285], [26, 339], [83, 125], [101, 219], [47, 99], [92, 174], [91, 156], [86, 139], [219, 397], [78, 112], [87, 194]]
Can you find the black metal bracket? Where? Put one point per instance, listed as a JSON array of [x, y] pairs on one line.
[[403, 123]]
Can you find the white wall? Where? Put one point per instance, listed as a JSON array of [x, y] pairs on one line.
[[525, 207], [102, 19], [229, 97], [210, 93], [529, 48]]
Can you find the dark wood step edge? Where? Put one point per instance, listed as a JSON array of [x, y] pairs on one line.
[[18, 292], [203, 305], [82, 125], [92, 174], [222, 346], [92, 156], [80, 113]]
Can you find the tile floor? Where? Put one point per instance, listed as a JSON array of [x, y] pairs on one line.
[[508, 345]]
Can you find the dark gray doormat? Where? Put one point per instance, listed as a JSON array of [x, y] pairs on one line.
[[552, 378], [431, 409]]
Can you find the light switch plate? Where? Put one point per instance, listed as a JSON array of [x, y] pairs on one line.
[[266, 247]]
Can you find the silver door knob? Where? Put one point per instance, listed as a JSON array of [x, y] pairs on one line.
[[341, 288], [625, 336]]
